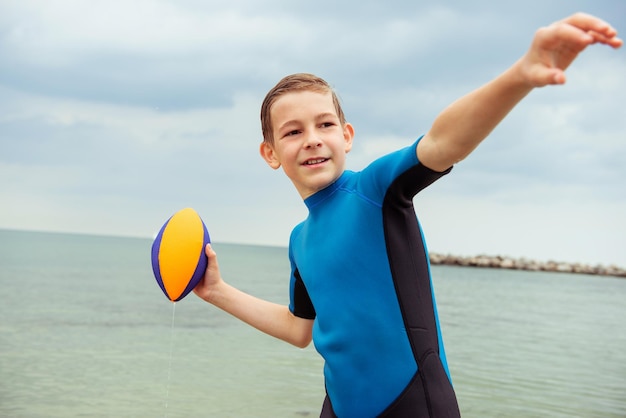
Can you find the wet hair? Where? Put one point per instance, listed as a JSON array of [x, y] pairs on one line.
[[295, 83]]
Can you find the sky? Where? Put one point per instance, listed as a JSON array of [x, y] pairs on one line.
[[116, 114]]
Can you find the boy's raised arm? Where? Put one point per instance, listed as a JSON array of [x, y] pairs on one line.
[[465, 123], [270, 318]]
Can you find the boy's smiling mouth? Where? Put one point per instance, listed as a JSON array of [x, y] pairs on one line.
[[315, 161]]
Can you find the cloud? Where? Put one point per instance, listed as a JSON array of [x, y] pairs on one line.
[[114, 114]]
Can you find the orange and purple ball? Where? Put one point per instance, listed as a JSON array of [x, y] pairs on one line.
[[178, 257]]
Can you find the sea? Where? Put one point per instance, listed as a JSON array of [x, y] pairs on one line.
[[85, 331]]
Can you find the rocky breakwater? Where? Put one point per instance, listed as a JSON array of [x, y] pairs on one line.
[[525, 264]]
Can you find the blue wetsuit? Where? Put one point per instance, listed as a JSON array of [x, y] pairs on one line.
[[360, 269]]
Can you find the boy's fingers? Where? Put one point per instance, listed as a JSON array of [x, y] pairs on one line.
[[587, 23], [597, 28], [563, 32], [212, 256], [614, 41]]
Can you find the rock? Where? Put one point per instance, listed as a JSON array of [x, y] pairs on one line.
[[486, 261]]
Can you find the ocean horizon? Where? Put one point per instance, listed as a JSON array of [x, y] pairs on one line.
[[478, 259]]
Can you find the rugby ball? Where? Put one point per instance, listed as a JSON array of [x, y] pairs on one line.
[[178, 257]]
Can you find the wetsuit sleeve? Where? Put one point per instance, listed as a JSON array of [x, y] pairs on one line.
[[301, 305], [382, 173], [299, 301]]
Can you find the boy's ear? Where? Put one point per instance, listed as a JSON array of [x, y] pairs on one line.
[[268, 154], [348, 135]]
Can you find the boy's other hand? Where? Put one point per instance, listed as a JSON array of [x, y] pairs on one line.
[[212, 276], [556, 46]]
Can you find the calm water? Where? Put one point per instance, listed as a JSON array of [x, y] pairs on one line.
[[86, 332]]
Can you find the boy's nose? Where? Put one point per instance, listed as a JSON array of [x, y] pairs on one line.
[[312, 141]]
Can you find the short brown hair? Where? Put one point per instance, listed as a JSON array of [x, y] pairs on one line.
[[291, 83]]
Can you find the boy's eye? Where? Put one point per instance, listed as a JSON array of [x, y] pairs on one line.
[[327, 124], [291, 133]]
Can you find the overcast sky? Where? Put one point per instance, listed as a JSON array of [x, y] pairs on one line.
[[114, 114]]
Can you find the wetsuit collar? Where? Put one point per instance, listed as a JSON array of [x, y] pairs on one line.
[[326, 192]]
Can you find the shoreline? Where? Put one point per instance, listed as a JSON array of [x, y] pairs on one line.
[[511, 263]]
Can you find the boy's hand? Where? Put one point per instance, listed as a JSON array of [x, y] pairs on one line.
[[212, 276], [555, 47]]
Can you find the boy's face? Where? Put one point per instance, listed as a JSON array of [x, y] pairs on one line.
[[309, 141]]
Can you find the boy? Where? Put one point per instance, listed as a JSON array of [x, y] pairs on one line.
[[360, 284]]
